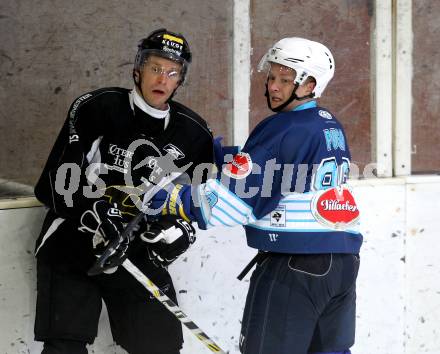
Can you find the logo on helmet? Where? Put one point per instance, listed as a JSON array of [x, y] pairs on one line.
[[173, 38], [172, 44]]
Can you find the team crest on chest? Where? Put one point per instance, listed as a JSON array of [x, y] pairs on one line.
[[240, 166], [121, 158]]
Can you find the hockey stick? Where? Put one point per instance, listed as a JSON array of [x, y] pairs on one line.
[[171, 306], [101, 265]]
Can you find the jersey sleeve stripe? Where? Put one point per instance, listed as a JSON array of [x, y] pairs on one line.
[[235, 221], [232, 206], [225, 193], [228, 209], [220, 221]]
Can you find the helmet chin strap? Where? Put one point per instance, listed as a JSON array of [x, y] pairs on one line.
[[292, 97]]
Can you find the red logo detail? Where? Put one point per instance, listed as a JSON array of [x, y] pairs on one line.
[[335, 207], [239, 167]]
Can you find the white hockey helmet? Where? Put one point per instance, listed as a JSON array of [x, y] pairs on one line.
[[306, 57]]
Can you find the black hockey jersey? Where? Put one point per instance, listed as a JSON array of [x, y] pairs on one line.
[[109, 148]]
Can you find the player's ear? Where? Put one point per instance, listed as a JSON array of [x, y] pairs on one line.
[[310, 85], [136, 76]]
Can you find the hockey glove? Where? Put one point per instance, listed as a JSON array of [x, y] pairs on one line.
[[105, 222], [167, 239], [176, 202]]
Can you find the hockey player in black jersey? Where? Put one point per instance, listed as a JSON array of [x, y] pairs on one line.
[[113, 146]]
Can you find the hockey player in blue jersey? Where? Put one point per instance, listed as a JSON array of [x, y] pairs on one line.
[[288, 188]]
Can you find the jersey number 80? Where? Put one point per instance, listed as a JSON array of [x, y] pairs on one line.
[[329, 174]]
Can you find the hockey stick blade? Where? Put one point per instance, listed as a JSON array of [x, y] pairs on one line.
[[171, 306]]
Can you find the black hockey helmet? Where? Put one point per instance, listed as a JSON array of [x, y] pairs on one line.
[[165, 44]]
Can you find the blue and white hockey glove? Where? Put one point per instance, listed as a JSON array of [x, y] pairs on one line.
[[176, 202]]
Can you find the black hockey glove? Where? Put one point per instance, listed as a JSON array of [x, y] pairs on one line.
[[167, 239], [105, 222]]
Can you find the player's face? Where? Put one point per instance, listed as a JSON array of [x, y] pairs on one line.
[[280, 84], [159, 78]]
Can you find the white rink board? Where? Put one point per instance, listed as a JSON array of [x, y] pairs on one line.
[[423, 268], [398, 284]]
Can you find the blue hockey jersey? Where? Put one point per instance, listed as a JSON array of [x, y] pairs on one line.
[[288, 186]]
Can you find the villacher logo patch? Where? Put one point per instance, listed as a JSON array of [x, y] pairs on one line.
[[335, 208]]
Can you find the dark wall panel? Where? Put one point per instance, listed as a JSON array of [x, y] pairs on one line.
[[345, 27], [426, 87], [53, 51]]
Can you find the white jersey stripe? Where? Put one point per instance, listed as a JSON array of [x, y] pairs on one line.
[[228, 216], [298, 218], [52, 228], [222, 191], [227, 209], [232, 206], [221, 222]]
